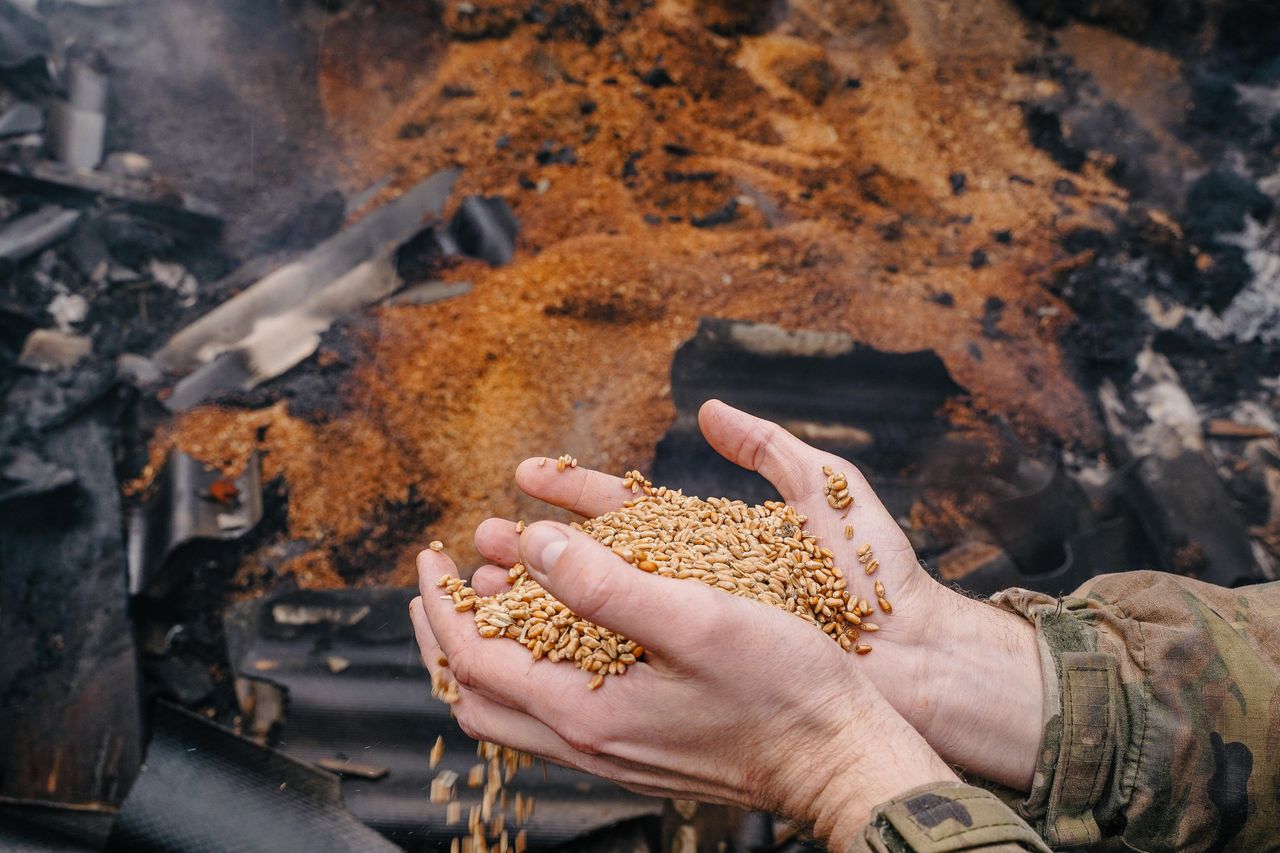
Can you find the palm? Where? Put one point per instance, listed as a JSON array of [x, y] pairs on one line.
[[795, 469]]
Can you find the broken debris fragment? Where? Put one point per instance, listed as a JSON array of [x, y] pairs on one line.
[[184, 509], [22, 237], [484, 227], [78, 124], [49, 350], [20, 119], [23, 475], [720, 216]]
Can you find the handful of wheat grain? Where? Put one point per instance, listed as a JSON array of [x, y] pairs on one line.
[[759, 552]]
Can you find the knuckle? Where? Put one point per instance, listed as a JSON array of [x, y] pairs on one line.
[[758, 443], [582, 735], [469, 720], [464, 668], [596, 590]]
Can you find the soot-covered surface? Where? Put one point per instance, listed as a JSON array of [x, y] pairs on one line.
[[1021, 264]]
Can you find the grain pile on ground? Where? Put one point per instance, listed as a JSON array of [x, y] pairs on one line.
[[758, 552], [853, 225]]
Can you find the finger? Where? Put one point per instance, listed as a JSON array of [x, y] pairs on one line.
[[662, 614], [484, 719], [498, 542], [489, 580], [428, 647], [793, 467], [453, 630], [581, 490], [495, 667]]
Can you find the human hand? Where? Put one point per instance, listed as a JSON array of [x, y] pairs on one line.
[[734, 701], [943, 661]]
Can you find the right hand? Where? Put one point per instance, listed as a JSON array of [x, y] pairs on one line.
[[734, 701]]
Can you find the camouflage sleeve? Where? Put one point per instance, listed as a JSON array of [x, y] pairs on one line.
[[946, 818], [1162, 708]]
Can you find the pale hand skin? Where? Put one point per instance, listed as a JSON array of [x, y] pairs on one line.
[[735, 701]]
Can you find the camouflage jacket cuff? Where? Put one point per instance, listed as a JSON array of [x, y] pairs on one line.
[[945, 817], [1086, 721]]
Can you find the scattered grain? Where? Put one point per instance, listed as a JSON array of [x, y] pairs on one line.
[[436, 545]]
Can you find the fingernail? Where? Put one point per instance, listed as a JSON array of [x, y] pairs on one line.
[[543, 546]]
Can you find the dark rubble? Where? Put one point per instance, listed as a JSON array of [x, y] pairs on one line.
[[159, 692]]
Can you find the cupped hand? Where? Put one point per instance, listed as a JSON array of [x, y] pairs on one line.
[[734, 701], [942, 660]]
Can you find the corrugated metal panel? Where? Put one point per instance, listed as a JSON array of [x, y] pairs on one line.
[[378, 711]]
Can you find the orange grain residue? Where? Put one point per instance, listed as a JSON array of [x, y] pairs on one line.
[[846, 221]]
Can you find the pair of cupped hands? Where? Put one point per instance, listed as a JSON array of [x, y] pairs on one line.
[[736, 701]]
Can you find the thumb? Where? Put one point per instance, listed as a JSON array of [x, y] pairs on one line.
[[792, 466], [598, 585]]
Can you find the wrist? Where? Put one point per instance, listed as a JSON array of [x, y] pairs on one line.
[[973, 686], [893, 759]]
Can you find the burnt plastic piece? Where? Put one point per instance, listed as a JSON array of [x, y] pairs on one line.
[[354, 688], [484, 228], [205, 788], [192, 504]]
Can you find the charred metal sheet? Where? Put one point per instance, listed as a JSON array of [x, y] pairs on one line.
[[875, 408], [205, 788], [279, 343], [292, 285], [355, 690], [61, 184], [26, 235], [429, 292], [276, 323], [68, 676], [27, 827], [191, 504]]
